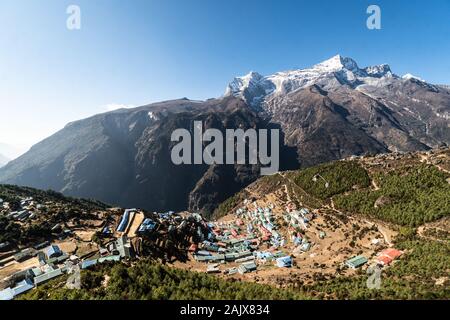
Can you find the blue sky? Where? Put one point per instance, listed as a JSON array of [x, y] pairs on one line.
[[137, 52]]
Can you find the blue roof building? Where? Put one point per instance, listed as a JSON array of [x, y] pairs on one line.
[[284, 262], [7, 294], [88, 263], [124, 221], [147, 225], [54, 251], [47, 276], [23, 287]]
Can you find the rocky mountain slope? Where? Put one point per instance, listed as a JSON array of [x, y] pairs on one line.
[[330, 111], [124, 157], [400, 113]]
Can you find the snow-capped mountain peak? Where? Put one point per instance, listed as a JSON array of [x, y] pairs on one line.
[[409, 76], [329, 74], [337, 63], [378, 71], [241, 83]]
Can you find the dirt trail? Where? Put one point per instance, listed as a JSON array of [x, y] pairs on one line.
[[375, 185], [421, 232], [387, 234], [425, 159]]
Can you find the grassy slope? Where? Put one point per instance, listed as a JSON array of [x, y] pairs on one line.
[[150, 281], [416, 195], [60, 209]]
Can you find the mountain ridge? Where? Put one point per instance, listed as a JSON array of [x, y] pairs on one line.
[[328, 112]]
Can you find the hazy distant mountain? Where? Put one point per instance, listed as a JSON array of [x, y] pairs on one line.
[[333, 110], [9, 151], [3, 160]]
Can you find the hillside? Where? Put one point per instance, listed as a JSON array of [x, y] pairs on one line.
[[149, 281], [42, 215], [360, 206], [364, 204]]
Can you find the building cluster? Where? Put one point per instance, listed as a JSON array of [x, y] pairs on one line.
[[253, 239], [242, 241], [53, 262], [28, 209]]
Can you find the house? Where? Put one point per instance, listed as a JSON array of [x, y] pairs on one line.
[[217, 257], [88, 263], [54, 251], [201, 258], [385, 257], [124, 247], [232, 271], [356, 262], [36, 271], [384, 260], [47, 276], [41, 245], [264, 255], [23, 286], [392, 253], [284, 262], [306, 246], [42, 258], [125, 219], [245, 259], [147, 226], [213, 268], [58, 259], [109, 258], [231, 256], [247, 267], [24, 255], [7, 294]]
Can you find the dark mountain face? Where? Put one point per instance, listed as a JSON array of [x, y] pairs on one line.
[[329, 112], [124, 157]]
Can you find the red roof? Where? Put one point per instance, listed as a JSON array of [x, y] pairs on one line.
[[391, 253], [385, 260]]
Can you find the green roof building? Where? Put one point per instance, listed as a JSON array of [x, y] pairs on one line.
[[356, 262]]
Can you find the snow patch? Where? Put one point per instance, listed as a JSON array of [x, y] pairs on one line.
[[153, 116], [409, 76]]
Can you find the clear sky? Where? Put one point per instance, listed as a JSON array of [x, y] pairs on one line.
[[136, 52]]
